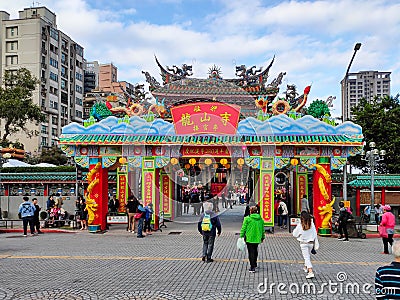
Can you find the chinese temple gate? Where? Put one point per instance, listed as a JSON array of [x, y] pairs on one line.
[[196, 136]]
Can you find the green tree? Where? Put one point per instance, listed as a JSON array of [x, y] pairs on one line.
[[16, 106], [318, 109], [53, 156], [380, 122]]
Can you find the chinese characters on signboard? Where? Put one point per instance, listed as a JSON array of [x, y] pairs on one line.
[[148, 188], [216, 151], [122, 187], [267, 199], [206, 118], [166, 191]]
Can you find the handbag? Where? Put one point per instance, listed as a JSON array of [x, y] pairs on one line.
[[240, 244], [382, 231], [313, 251], [137, 215]]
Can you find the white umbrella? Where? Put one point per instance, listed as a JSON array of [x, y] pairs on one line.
[[44, 165], [15, 163]]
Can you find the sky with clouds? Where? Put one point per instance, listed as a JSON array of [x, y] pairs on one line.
[[312, 41]]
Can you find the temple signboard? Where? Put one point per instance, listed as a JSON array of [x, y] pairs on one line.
[[206, 118]]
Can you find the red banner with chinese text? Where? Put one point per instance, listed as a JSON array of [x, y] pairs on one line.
[[206, 118], [302, 188], [266, 205], [166, 196], [122, 191], [215, 151], [148, 188]]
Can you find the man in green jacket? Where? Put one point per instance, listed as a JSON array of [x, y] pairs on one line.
[[254, 234]]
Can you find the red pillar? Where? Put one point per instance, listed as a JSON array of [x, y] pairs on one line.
[[383, 196], [358, 201], [99, 194], [320, 199]]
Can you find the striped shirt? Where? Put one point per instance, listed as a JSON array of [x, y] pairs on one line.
[[387, 281]]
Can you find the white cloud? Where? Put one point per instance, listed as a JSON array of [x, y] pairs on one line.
[[312, 40]]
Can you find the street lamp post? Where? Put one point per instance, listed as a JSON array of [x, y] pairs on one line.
[[372, 157], [344, 112]]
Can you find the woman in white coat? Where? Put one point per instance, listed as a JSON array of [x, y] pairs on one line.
[[306, 234]]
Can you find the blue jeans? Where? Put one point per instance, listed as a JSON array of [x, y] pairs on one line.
[[208, 245], [140, 227]]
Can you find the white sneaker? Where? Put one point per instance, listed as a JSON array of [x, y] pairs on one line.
[[340, 239], [310, 275]]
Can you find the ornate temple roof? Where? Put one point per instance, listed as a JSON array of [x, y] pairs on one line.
[[178, 87]]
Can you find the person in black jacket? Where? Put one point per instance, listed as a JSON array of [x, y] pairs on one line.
[[209, 235], [36, 222], [342, 223], [131, 209]]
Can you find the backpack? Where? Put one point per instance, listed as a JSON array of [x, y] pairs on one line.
[[280, 210], [206, 223]]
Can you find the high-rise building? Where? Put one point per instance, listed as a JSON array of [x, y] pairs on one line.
[[33, 42], [364, 84], [101, 83]]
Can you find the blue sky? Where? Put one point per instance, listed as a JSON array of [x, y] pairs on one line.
[[313, 41]]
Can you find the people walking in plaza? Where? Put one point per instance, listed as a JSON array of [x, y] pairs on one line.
[[209, 227], [36, 221], [388, 223], [253, 232], [282, 214], [83, 213], [186, 202], [342, 222], [131, 210], [387, 283], [306, 234], [27, 210], [142, 211], [224, 200], [147, 221], [305, 206]]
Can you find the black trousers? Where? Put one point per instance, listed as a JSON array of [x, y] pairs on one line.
[[386, 241], [36, 223], [25, 222], [343, 228], [253, 254]]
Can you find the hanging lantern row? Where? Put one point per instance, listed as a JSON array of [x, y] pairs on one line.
[[174, 161], [192, 161]]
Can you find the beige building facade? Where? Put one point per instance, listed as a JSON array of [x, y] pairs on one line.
[[364, 84], [33, 41]]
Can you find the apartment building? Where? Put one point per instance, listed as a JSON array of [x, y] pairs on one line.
[[364, 84], [33, 41]]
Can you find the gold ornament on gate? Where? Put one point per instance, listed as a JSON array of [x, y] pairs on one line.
[[192, 161], [174, 161]]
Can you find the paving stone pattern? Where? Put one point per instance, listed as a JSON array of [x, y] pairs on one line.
[[118, 266]]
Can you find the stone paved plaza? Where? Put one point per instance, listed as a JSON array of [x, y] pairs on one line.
[[167, 265]]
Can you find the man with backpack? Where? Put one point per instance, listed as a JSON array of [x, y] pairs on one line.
[[209, 226]]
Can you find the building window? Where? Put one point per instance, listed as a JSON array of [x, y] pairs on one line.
[[11, 60], [53, 76], [79, 50], [78, 114], [78, 76], [54, 33], [78, 101], [64, 85], [44, 129], [78, 89], [12, 31], [44, 141], [54, 62], [54, 132], [54, 120]]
